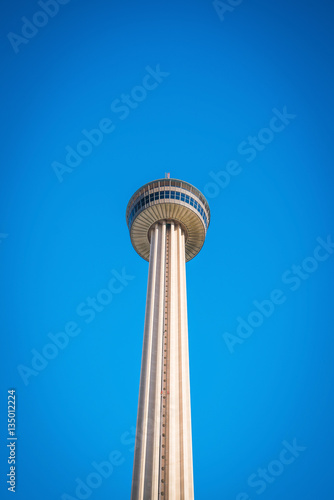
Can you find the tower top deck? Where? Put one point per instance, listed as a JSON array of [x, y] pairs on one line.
[[168, 200]]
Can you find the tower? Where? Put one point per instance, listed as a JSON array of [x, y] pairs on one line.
[[167, 220]]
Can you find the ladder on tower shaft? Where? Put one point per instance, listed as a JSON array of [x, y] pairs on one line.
[[164, 406]]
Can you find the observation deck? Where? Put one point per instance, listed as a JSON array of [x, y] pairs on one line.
[[168, 200]]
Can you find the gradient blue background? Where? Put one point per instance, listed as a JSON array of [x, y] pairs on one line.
[[64, 239]]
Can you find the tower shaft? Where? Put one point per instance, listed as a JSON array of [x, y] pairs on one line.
[[163, 451]]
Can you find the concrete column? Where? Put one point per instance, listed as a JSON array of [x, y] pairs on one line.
[[187, 486], [164, 292], [174, 369], [146, 458]]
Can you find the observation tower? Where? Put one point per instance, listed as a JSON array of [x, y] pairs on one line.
[[168, 220]]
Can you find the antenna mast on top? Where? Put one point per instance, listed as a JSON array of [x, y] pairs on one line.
[[167, 175]]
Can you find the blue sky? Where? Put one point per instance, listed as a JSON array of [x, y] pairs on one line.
[[236, 98]]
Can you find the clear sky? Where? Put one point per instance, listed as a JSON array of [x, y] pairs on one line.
[[236, 98]]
